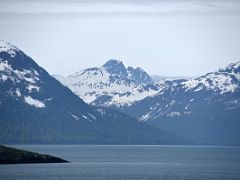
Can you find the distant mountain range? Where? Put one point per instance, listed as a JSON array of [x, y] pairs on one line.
[[36, 108], [205, 109], [120, 105], [112, 85]]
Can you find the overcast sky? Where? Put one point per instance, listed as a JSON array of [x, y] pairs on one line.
[[165, 37]]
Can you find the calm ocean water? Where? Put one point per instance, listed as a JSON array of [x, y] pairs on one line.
[[130, 162]]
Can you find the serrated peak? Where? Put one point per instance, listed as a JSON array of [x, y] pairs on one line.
[[114, 66]]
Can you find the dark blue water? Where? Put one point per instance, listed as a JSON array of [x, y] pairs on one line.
[[130, 162]]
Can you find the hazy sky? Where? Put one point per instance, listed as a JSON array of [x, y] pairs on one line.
[[165, 37]]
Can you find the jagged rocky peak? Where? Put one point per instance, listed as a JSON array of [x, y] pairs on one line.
[[139, 75], [114, 66], [232, 68]]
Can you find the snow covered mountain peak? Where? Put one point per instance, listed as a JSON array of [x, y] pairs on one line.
[[8, 48], [111, 84], [114, 66], [114, 85], [223, 81], [20, 75]]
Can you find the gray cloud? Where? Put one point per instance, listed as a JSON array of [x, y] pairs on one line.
[[134, 8], [168, 37]]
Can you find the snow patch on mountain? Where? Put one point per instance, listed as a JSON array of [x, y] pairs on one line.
[[74, 116], [15, 75], [93, 117], [87, 116], [18, 93], [34, 102], [31, 88], [174, 114]]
